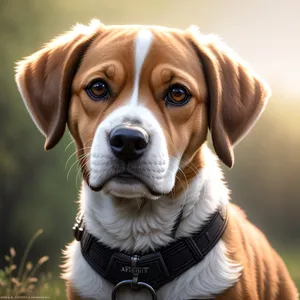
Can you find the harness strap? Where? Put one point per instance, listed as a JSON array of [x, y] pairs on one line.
[[154, 268]]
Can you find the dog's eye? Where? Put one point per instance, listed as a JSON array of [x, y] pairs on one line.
[[97, 90], [177, 95]]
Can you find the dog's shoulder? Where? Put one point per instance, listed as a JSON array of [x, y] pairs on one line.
[[247, 245]]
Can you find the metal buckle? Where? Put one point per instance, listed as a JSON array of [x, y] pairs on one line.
[[78, 228], [135, 285], [134, 282], [151, 268]]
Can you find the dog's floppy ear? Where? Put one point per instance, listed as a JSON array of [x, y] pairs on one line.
[[237, 96], [44, 79]]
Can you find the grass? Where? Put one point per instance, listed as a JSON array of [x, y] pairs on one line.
[[25, 280]]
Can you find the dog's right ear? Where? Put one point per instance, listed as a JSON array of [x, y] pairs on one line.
[[44, 79]]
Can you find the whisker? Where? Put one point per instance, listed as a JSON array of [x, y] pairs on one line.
[[184, 190], [75, 162], [190, 165], [79, 168], [83, 167], [75, 152], [193, 167], [72, 142], [89, 140]]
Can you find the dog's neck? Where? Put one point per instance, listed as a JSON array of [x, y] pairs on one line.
[[140, 225]]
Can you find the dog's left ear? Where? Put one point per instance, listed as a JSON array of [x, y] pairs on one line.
[[44, 79], [237, 96]]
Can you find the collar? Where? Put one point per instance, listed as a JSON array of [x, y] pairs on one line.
[[155, 268]]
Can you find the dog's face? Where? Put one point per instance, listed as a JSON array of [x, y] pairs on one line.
[[138, 107], [138, 102]]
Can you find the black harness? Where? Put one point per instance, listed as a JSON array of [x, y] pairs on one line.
[[152, 269]]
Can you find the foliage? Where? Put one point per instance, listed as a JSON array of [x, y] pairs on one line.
[[24, 280]]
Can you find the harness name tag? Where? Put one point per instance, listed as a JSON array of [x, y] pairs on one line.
[[135, 270]]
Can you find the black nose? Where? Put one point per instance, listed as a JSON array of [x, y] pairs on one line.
[[128, 142]]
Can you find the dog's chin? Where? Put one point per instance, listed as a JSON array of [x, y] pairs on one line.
[[129, 188]]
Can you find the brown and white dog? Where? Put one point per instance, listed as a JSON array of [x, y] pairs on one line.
[[167, 87]]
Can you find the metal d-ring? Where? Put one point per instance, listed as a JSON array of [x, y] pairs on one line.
[[131, 283]]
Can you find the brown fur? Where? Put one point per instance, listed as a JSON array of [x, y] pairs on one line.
[[71, 293], [227, 97], [237, 94], [264, 276], [44, 78]]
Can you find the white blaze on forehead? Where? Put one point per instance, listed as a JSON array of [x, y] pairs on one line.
[[142, 46]]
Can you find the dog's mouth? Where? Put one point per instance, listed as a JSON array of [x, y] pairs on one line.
[[126, 179], [126, 175]]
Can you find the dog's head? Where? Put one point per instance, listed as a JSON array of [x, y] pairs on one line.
[[138, 102]]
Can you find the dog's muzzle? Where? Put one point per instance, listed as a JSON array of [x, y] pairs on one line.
[[128, 142]]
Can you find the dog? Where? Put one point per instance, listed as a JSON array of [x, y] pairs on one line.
[[138, 102]]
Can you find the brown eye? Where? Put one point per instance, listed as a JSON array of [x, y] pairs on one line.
[[177, 95], [97, 90]]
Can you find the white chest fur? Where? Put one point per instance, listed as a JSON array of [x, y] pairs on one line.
[[131, 225]]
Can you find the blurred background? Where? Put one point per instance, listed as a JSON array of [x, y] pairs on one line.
[[34, 189]]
